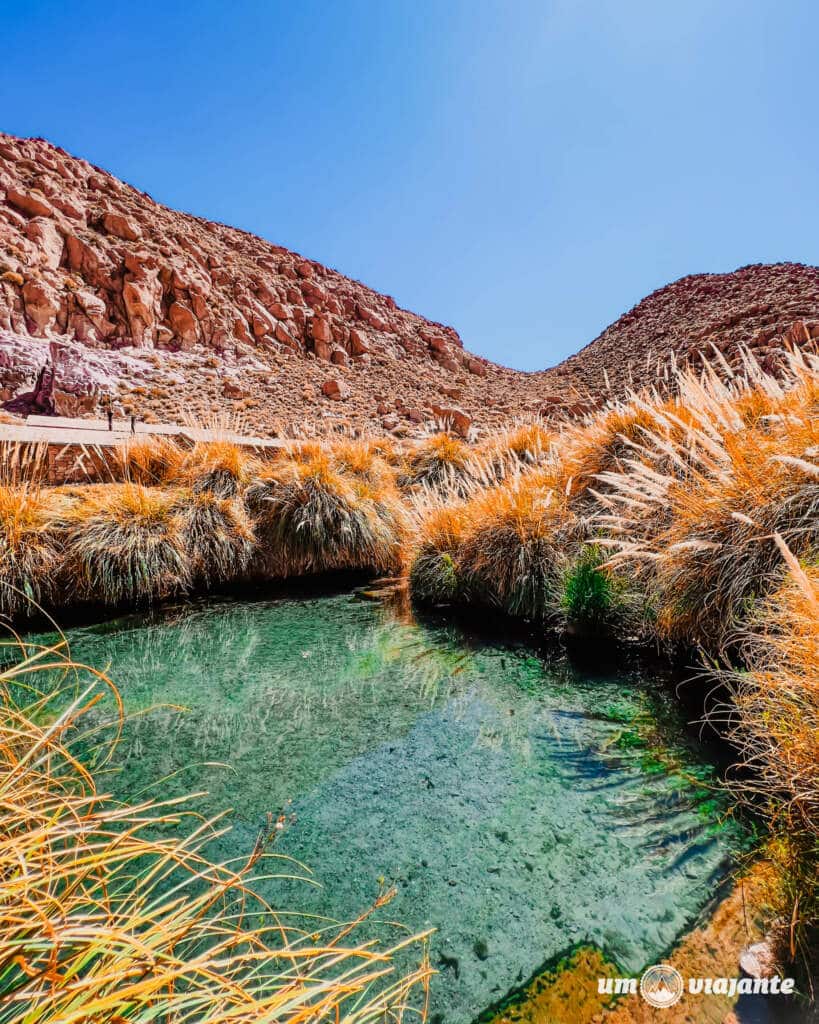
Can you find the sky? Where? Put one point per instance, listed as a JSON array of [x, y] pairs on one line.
[[524, 171]]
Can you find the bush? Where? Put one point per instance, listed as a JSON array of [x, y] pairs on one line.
[[311, 518], [29, 555], [125, 542]]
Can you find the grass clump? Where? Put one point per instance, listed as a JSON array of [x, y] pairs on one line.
[[125, 543], [113, 913], [152, 460], [310, 517], [442, 462], [29, 554], [700, 512], [774, 722], [592, 597], [218, 467], [519, 536], [218, 535], [434, 573]]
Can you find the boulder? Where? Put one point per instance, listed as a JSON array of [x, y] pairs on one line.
[[454, 418], [183, 323], [335, 389], [33, 203], [121, 227], [358, 342], [42, 304], [46, 236]]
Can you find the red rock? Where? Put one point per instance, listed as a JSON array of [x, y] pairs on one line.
[[33, 203], [232, 389], [358, 342], [339, 357], [121, 227], [453, 418], [183, 323], [321, 330], [42, 305], [476, 367], [335, 389], [45, 235]]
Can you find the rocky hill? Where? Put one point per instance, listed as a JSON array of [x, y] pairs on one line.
[[106, 294], [764, 307]]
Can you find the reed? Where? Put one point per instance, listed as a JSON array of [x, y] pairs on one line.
[[773, 720], [113, 913]]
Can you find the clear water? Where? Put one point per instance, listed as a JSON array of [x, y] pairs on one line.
[[519, 806]]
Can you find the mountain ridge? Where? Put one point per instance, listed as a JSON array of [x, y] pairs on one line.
[[172, 315]]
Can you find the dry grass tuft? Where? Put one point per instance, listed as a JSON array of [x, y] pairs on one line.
[[773, 720], [700, 509], [218, 535], [219, 467], [151, 460], [311, 517], [441, 462], [125, 543], [29, 552]]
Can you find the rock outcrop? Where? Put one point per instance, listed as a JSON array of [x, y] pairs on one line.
[[177, 317]]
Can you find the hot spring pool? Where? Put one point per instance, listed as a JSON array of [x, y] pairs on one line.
[[520, 806]]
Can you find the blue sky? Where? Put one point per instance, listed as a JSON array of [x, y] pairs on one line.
[[525, 171]]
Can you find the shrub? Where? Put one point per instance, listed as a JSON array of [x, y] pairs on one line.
[[29, 555], [125, 543], [218, 535], [311, 518], [592, 598]]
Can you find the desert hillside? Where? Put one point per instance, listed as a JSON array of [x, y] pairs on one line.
[[175, 317]]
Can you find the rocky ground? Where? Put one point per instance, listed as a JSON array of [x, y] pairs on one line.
[[105, 294]]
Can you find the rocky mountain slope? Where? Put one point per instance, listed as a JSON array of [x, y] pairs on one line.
[[106, 294], [763, 307]]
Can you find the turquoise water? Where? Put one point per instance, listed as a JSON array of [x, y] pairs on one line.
[[520, 806]]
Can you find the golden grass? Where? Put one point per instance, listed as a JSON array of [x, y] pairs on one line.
[[312, 517], [105, 918], [441, 462], [520, 532], [125, 543], [220, 467], [218, 535], [29, 554], [773, 720], [699, 511], [152, 460]]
